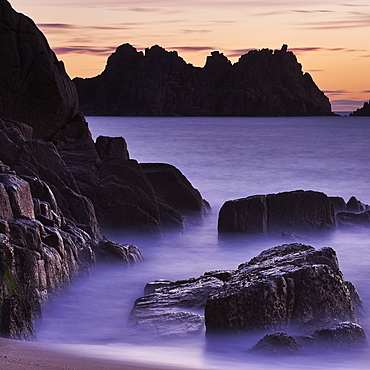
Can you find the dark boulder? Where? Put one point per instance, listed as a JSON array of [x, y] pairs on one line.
[[295, 211], [277, 344], [342, 335], [161, 83], [107, 250], [354, 205], [34, 86], [174, 188], [292, 287], [339, 204], [289, 286]]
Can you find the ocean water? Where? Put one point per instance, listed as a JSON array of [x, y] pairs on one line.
[[224, 158]]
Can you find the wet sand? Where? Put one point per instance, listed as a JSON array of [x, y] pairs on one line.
[[19, 355]]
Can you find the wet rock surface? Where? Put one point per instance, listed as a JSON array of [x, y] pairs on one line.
[[292, 288], [174, 308], [277, 344], [161, 83]]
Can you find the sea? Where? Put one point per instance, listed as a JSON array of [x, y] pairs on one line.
[[224, 158]]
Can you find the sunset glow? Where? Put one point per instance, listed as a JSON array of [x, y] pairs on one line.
[[329, 38]]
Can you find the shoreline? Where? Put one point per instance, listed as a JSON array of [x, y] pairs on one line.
[[19, 354]]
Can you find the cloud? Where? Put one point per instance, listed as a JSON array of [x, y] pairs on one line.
[[336, 92], [56, 27], [313, 11], [352, 20], [192, 48], [195, 31], [366, 91], [144, 10], [349, 102], [84, 50]]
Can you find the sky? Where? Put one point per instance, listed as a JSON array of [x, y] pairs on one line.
[[330, 38]]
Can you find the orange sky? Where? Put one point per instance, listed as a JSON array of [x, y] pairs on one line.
[[330, 38]]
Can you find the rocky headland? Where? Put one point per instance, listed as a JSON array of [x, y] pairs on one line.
[[362, 112], [160, 83], [58, 186]]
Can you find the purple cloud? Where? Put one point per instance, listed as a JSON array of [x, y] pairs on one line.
[[83, 50], [336, 92]]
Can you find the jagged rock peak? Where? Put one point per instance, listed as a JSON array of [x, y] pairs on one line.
[[364, 111], [160, 83]]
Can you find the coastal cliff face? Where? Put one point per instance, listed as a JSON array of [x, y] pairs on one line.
[[57, 186], [34, 86], [161, 83]]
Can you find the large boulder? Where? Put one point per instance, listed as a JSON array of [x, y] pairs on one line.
[[295, 211], [160, 83], [34, 86], [292, 286], [174, 188]]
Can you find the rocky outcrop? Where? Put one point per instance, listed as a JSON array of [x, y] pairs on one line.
[[295, 211], [174, 309], [292, 287], [288, 213], [289, 286], [126, 193], [41, 250], [364, 111], [34, 86], [160, 83]]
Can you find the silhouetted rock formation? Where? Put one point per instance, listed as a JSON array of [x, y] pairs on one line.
[[291, 287], [364, 111], [160, 83], [34, 87]]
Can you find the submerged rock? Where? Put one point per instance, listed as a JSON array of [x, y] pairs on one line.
[[278, 344], [161, 83], [174, 308]]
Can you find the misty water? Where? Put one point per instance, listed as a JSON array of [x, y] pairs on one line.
[[224, 158]]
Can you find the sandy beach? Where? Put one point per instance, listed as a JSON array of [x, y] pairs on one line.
[[15, 355]]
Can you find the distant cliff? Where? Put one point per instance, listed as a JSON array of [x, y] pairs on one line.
[[160, 83], [364, 111]]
